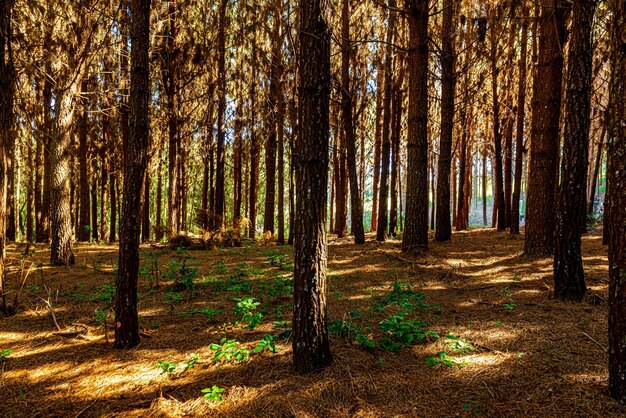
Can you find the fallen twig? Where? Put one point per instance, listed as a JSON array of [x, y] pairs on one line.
[[606, 350]]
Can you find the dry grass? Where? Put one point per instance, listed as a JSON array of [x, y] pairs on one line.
[[540, 358]]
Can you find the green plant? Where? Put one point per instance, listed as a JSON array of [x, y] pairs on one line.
[[33, 288], [106, 293], [181, 271], [472, 408], [403, 296], [5, 353], [213, 393], [100, 315], [166, 366], [406, 331], [444, 358], [246, 309], [364, 340], [191, 362], [267, 343], [509, 305], [229, 351], [458, 344], [211, 313], [152, 272], [172, 299]]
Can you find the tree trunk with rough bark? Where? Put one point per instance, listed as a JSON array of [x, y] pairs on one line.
[[415, 236], [569, 278], [311, 347], [544, 144], [383, 196], [519, 134], [135, 163], [443, 230], [617, 215]]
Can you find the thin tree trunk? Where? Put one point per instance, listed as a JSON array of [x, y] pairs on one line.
[[519, 136], [383, 202], [377, 139]]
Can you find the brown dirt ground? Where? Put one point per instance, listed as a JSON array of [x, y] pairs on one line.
[[541, 358]]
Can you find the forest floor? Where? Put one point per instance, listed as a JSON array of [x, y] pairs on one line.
[[506, 347]]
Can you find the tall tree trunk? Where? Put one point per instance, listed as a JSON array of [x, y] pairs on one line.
[[292, 186], [135, 163], [499, 205], [519, 134], [415, 236], [433, 188], [596, 171], [443, 230], [380, 79], [484, 188], [280, 136], [617, 202], [84, 224], [396, 126], [542, 167], [221, 116], [462, 212], [94, 202], [145, 210], [170, 76], [569, 279], [237, 166], [254, 154], [311, 348], [113, 193], [7, 92], [383, 202], [104, 176], [30, 192], [159, 197]]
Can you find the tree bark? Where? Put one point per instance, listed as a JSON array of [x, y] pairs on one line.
[[311, 348], [569, 279], [415, 236], [377, 139], [443, 230], [617, 215], [221, 116], [519, 135], [135, 163], [542, 167], [383, 202], [7, 92], [499, 209], [84, 224]]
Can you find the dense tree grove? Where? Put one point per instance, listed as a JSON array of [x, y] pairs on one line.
[[233, 120]]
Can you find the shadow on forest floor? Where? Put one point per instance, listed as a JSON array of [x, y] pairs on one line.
[[522, 352]]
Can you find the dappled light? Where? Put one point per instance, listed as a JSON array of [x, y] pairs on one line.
[[511, 333]]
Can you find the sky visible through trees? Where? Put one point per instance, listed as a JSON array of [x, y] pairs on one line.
[[220, 159]]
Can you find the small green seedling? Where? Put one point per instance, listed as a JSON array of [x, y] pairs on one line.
[[444, 359], [213, 393], [229, 351], [246, 308], [191, 362], [267, 343], [167, 367]]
